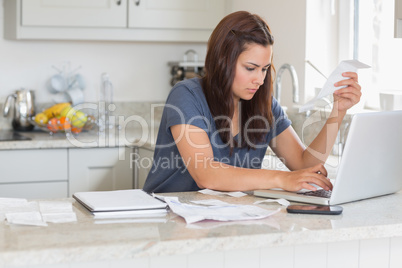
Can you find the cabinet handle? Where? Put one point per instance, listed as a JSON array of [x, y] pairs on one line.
[[137, 2], [118, 2]]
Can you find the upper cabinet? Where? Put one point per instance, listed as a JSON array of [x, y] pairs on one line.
[[118, 20], [175, 14], [398, 18], [78, 13]]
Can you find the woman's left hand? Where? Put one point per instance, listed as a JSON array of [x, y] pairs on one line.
[[350, 95]]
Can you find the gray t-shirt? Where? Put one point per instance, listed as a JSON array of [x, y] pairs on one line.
[[186, 104]]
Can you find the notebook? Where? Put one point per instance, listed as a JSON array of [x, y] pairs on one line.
[[371, 164], [121, 200]]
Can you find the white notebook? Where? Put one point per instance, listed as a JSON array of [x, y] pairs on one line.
[[121, 200]]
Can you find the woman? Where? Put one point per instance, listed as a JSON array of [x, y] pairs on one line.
[[215, 131]]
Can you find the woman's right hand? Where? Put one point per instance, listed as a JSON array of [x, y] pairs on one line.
[[301, 179]]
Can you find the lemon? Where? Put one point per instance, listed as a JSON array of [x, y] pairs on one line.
[[79, 119], [41, 119]]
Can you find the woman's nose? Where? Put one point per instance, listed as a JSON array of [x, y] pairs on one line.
[[259, 78]]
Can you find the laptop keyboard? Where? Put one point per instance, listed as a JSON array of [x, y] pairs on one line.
[[318, 193]]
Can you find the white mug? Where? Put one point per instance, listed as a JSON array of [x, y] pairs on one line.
[[76, 96]]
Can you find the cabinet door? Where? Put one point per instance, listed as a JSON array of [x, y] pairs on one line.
[[74, 13], [175, 14], [20, 166], [34, 173], [37, 190], [100, 169]]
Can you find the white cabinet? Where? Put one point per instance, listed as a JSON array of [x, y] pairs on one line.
[[175, 14], [34, 173], [99, 169], [58, 173], [78, 13], [125, 20]]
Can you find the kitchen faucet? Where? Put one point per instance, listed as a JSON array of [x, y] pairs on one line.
[[295, 83]]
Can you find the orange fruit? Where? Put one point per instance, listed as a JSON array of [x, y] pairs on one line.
[[76, 130], [52, 125], [64, 123]]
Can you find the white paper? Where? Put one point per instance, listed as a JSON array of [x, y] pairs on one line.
[[271, 222], [57, 211], [336, 76], [162, 198], [17, 205], [55, 207], [141, 220], [212, 192], [4, 202], [20, 211], [194, 213], [26, 218], [59, 217], [150, 213], [280, 201], [210, 202]]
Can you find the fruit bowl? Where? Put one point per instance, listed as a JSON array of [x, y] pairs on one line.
[[61, 117], [56, 125]]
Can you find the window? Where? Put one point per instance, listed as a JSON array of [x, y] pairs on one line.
[[378, 48], [338, 30]]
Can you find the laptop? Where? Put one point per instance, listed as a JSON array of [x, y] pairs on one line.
[[371, 164]]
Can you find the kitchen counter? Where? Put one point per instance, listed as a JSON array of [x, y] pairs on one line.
[[88, 139], [176, 244]]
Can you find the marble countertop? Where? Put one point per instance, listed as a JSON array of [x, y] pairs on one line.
[[89, 139], [86, 240]]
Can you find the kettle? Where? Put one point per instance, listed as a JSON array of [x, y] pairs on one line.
[[23, 109]]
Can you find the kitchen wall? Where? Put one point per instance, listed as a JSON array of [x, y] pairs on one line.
[[287, 20], [138, 70]]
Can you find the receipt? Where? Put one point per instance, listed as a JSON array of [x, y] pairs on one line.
[[57, 211], [20, 211], [280, 201], [336, 75], [26, 218], [226, 212], [213, 192]]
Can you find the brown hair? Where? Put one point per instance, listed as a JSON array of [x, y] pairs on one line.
[[229, 39]]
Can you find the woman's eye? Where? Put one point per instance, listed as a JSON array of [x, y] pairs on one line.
[[250, 69], [265, 69]]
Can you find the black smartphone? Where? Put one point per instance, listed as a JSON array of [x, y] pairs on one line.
[[315, 209]]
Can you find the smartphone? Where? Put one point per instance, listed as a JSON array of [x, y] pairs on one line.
[[315, 209]]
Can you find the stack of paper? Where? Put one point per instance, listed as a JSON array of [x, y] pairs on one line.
[[20, 211], [121, 204]]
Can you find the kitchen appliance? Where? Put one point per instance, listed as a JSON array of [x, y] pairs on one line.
[[186, 69], [23, 101]]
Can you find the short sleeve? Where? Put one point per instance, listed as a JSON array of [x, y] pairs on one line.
[[281, 120], [183, 106]]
